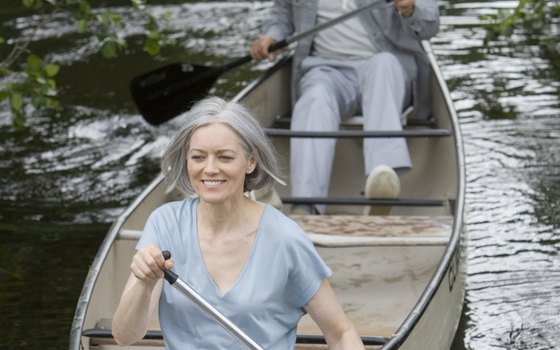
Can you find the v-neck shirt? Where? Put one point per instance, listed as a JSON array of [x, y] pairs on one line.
[[281, 275]]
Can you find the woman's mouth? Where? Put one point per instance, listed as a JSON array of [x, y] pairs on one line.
[[211, 183]]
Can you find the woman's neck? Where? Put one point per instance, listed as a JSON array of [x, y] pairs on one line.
[[221, 218]]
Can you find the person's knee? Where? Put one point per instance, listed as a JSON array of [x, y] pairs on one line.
[[316, 95], [385, 58], [383, 64], [315, 107]]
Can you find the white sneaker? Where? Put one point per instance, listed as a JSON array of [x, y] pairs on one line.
[[382, 182]]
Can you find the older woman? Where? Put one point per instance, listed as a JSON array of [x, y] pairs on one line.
[[247, 259]]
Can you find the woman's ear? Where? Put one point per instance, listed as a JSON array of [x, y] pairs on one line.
[[252, 164]]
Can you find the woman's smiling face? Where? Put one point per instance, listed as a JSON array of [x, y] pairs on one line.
[[217, 163]]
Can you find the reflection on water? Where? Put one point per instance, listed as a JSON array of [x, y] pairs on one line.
[[66, 178], [508, 102]]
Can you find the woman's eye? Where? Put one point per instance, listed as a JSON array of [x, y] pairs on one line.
[[226, 158], [197, 157]]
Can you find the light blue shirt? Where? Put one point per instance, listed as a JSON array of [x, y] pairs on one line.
[[282, 274]]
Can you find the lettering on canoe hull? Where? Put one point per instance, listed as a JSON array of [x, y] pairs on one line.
[[454, 267]]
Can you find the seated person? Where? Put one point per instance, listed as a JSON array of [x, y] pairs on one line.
[[372, 64]]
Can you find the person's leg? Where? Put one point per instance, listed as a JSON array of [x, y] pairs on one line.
[[325, 95], [386, 92]]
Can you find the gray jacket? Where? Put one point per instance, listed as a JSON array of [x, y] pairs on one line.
[[390, 32]]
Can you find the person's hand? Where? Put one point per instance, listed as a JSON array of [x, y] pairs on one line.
[[405, 7], [259, 48], [148, 264]]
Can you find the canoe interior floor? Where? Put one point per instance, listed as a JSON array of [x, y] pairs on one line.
[[381, 265], [377, 286]]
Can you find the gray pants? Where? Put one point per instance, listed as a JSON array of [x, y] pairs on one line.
[[332, 90]]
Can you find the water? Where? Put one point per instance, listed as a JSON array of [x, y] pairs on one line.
[[66, 178]]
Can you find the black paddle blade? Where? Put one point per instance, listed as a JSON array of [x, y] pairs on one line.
[[162, 94]]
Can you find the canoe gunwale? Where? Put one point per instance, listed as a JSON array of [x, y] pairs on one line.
[[93, 272], [454, 246]]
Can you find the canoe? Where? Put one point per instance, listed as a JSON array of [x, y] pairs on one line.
[[400, 277]]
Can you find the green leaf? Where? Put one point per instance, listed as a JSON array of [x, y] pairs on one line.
[[16, 101], [139, 4], [116, 19], [33, 62], [51, 70], [109, 49], [152, 47], [52, 103], [52, 86], [84, 6], [5, 71], [153, 34], [18, 120], [83, 25], [32, 4], [2, 40], [105, 19]]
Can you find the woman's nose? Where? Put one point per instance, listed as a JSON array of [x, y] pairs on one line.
[[210, 166]]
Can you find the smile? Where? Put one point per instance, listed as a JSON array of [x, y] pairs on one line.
[[213, 182]]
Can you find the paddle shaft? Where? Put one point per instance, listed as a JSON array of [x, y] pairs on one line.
[[211, 311]]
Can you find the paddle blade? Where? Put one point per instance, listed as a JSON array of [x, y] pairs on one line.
[[164, 93]]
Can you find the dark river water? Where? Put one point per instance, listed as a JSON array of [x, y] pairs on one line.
[[65, 178]]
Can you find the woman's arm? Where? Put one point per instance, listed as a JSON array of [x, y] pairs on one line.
[[140, 296], [325, 309]]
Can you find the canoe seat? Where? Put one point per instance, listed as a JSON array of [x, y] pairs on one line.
[[102, 336], [281, 123], [363, 230], [407, 118]]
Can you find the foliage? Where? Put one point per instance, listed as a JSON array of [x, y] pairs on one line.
[[540, 18], [27, 81]]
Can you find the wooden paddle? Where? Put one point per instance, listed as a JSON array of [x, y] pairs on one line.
[[166, 92]]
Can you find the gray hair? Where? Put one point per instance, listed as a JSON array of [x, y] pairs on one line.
[[216, 110]]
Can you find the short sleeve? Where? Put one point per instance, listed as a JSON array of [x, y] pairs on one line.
[[150, 232], [163, 226], [307, 271]]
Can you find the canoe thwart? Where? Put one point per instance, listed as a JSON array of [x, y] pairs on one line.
[[100, 336], [407, 118], [272, 132], [409, 202]]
